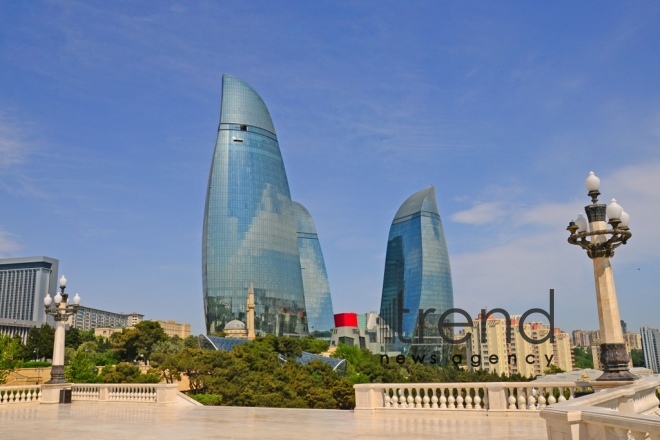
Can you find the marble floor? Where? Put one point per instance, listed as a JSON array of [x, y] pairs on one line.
[[117, 421]]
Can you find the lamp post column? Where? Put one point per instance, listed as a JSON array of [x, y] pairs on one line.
[[57, 370], [608, 309], [613, 353], [61, 313], [599, 241]]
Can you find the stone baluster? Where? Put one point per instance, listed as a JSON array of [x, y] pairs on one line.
[[460, 399], [477, 398], [531, 400], [434, 398], [468, 399], [561, 395], [451, 400], [418, 398], [522, 399], [512, 399], [443, 399], [542, 399]]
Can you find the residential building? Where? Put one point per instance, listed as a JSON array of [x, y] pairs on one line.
[[88, 318], [491, 351], [173, 328], [651, 346], [585, 338], [24, 282], [417, 277], [634, 340], [133, 318], [318, 302], [249, 232]]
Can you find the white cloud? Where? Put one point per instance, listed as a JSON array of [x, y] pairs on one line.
[[7, 244], [13, 148], [549, 214], [480, 213]]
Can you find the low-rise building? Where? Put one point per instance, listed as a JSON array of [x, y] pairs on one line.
[[173, 328], [634, 340], [365, 331]]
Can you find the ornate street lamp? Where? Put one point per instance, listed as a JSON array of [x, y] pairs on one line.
[[600, 241], [61, 312]]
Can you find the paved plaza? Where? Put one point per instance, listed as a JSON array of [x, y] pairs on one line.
[[112, 421]]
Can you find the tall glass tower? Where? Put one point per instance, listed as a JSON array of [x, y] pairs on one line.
[[320, 316], [417, 277], [249, 226]]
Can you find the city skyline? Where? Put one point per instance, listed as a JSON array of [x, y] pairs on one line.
[[105, 141]]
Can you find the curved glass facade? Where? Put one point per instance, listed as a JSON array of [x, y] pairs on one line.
[[417, 277], [249, 226], [318, 302]]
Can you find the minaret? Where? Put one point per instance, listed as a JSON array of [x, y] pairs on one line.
[[250, 313]]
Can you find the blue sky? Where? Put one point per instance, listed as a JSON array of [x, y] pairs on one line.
[[109, 112]]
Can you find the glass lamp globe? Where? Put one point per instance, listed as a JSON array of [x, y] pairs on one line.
[[614, 210], [582, 224], [592, 182]]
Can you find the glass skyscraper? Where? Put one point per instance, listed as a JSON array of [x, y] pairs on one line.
[[320, 316], [417, 277], [249, 225]]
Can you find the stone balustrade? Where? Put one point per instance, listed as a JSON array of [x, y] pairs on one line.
[[131, 392], [125, 392], [481, 396], [20, 394], [629, 411]]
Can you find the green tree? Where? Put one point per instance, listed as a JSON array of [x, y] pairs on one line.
[[125, 372], [191, 342], [313, 345], [637, 356], [74, 337], [81, 368], [39, 340], [583, 358], [131, 343], [10, 352], [553, 369]]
